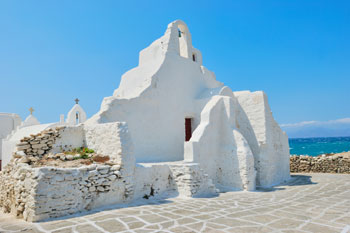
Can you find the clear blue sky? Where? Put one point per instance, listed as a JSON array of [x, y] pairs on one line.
[[297, 51]]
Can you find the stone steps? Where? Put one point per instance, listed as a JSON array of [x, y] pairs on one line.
[[191, 181]]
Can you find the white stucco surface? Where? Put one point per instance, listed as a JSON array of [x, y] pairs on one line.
[[269, 143], [235, 139], [8, 123]]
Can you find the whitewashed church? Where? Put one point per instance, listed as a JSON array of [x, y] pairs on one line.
[[170, 126], [176, 110]]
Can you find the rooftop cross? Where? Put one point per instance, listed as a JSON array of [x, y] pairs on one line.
[[76, 100], [31, 110]]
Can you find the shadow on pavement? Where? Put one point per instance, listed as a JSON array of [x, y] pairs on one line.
[[295, 180]]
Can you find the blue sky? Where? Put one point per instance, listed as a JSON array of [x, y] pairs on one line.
[[298, 51]]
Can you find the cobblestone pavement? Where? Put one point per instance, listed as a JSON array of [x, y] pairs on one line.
[[309, 203]]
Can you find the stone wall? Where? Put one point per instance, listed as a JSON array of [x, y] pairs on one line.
[[31, 148], [37, 192], [192, 181], [33, 190], [338, 163], [46, 192]]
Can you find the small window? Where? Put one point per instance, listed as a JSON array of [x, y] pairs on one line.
[[179, 31], [194, 57], [188, 129], [77, 120]]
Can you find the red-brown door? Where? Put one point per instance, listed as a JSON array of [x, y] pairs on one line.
[[188, 129]]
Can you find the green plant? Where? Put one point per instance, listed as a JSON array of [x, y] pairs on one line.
[[82, 151], [84, 156]]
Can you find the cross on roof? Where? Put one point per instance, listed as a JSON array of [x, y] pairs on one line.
[[76, 100], [31, 110]]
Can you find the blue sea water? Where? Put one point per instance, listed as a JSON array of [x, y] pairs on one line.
[[317, 146]]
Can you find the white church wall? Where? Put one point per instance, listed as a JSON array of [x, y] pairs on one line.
[[272, 154], [214, 145], [171, 90], [8, 123]]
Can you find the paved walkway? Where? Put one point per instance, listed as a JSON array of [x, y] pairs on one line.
[[309, 203]]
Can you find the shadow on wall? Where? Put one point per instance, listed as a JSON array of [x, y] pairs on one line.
[[295, 180]]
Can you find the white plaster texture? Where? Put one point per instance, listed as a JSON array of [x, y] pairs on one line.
[[269, 143], [8, 123], [236, 141]]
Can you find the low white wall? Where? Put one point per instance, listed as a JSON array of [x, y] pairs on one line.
[[152, 179], [111, 139], [45, 192], [40, 193], [70, 137]]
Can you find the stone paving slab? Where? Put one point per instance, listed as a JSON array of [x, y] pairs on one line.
[[308, 203]]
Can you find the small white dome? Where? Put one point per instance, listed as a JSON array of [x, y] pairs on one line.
[[29, 121]]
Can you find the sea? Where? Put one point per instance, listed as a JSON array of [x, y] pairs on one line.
[[318, 146]]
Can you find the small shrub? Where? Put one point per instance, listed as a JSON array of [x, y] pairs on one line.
[[84, 156], [82, 151]]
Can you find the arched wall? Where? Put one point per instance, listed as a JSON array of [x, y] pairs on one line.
[[71, 117]]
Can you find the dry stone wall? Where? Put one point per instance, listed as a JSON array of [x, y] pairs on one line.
[[34, 191], [40, 193], [31, 148], [339, 163]]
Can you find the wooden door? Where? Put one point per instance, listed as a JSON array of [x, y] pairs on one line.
[[188, 129]]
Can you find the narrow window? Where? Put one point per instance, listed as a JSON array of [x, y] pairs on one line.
[[188, 129], [194, 57], [179, 31], [77, 118]]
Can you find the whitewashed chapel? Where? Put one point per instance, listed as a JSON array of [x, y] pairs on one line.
[[170, 127]]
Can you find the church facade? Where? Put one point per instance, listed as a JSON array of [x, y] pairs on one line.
[[176, 110]]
